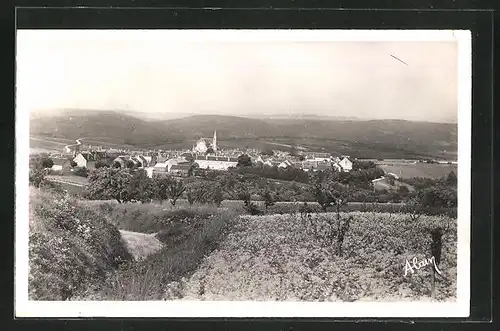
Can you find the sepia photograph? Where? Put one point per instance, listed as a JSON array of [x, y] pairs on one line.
[[243, 173]]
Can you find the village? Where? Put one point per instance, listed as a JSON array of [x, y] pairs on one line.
[[205, 154]]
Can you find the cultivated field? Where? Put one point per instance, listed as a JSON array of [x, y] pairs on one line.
[[429, 170], [283, 258], [69, 179]]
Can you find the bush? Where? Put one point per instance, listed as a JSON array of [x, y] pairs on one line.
[[72, 248], [81, 171]]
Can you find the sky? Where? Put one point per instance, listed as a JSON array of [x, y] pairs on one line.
[[238, 77]]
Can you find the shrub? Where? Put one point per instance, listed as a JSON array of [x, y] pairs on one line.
[[37, 176], [81, 171], [71, 249]]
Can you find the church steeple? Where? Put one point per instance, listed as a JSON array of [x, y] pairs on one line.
[[214, 142]]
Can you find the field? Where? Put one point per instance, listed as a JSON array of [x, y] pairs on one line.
[[40, 144], [282, 258], [69, 179], [429, 170]]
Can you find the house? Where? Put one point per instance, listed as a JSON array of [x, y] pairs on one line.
[[122, 160], [317, 156], [160, 169], [259, 160], [84, 160], [60, 164], [285, 164], [269, 163], [181, 170], [346, 164], [216, 162]]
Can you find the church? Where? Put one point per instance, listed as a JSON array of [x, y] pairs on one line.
[[204, 145]]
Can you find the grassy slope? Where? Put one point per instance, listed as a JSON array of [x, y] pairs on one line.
[[187, 233], [71, 247]]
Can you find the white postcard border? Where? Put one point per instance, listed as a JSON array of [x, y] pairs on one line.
[[459, 308]]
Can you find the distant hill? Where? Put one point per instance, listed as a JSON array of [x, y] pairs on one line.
[[228, 127], [103, 125], [387, 138], [306, 117]]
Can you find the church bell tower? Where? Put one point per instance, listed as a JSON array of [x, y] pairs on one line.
[[214, 142]]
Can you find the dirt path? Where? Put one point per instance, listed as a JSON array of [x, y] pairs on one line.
[[140, 245]]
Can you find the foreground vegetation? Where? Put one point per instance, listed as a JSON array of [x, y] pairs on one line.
[[71, 247], [321, 247], [285, 257], [188, 235]]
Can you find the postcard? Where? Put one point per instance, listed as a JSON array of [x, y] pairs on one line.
[[243, 173]]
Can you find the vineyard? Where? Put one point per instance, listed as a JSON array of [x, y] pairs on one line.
[[293, 257]]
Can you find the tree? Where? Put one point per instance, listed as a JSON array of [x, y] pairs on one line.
[[101, 164], [116, 165], [47, 162], [358, 165], [331, 193], [242, 192], [36, 176], [72, 163], [161, 184], [109, 183], [193, 169], [268, 198], [403, 190], [451, 179], [140, 187], [244, 161], [302, 157], [199, 192], [81, 171], [228, 182], [129, 164], [328, 192], [218, 196], [175, 190], [209, 150]]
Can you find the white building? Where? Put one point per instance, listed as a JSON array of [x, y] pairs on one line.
[[285, 164], [216, 162], [204, 144], [83, 159], [346, 164], [160, 168]]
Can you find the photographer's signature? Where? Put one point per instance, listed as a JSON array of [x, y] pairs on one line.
[[416, 265]]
